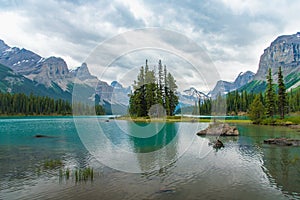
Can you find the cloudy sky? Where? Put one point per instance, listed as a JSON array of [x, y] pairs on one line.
[[232, 33]]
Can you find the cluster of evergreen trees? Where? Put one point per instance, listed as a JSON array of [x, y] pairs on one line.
[[236, 102], [21, 104], [150, 90], [273, 101], [14, 104], [80, 108]]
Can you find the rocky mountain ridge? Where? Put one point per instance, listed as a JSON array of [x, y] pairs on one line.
[[283, 52], [53, 73], [223, 87]]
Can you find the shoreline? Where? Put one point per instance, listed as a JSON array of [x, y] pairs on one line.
[[181, 119], [170, 119]]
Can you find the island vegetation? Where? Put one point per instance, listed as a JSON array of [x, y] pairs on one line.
[[154, 94]]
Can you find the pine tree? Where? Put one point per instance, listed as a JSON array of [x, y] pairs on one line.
[[270, 95], [256, 111], [138, 103], [160, 83], [166, 92], [282, 96], [172, 97], [150, 87]]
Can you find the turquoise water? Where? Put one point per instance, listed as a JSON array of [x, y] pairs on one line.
[[165, 161]]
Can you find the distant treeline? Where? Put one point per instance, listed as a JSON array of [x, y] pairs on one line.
[[21, 104]]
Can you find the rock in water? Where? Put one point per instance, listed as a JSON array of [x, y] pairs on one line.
[[218, 144], [219, 129], [283, 141]]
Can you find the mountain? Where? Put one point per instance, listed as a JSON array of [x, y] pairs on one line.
[[223, 87], [189, 96], [12, 82], [46, 71], [283, 52], [120, 94], [25, 71]]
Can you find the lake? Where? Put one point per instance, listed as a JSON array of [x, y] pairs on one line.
[[143, 161]]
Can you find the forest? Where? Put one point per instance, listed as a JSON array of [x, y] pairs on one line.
[[21, 104]]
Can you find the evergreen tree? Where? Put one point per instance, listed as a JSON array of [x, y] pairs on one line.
[[282, 97], [256, 111], [172, 97], [166, 92], [270, 95], [150, 93], [138, 103], [160, 83]]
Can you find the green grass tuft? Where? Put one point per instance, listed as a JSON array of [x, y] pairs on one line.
[[52, 164]]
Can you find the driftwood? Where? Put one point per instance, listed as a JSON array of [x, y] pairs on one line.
[[283, 141], [219, 129]]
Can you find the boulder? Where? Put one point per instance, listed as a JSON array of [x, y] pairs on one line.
[[283, 141], [219, 129]]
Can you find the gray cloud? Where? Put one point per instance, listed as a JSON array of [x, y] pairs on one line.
[[232, 33]]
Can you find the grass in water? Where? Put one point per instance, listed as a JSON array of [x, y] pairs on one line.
[[84, 174], [52, 164], [81, 174]]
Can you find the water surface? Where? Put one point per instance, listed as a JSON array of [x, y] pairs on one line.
[[188, 169]]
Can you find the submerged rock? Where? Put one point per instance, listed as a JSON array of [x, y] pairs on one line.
[[283, 141], [166, 190], [219, 129], [42, 136], [217, 144]]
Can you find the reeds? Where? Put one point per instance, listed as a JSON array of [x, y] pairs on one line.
[[81, 174], [84, 174], [78, 174]]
